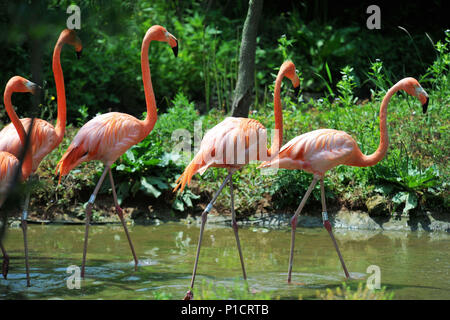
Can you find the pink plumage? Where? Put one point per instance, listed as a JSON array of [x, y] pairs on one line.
[[232, 143], [316, 152], [43, 139], [104, 138]]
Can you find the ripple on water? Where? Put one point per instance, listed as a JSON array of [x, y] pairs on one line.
[[146, 262], [132, 278]]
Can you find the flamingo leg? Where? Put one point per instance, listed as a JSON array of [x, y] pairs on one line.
[[5, 264], [189, 295], [88, 217], [120, 214], [235, 228], [294, 224], [327, 225], [25, 238]]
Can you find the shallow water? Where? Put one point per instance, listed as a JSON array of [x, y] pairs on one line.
[[413, 265]]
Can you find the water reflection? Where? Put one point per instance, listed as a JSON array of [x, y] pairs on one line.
[[415, 265]]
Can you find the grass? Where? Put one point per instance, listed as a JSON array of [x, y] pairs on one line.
[[241, 291]]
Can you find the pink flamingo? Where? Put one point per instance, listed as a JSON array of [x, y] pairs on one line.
[[321, 150], [108, 136], [9, 162], [44, 137], [231, 144]]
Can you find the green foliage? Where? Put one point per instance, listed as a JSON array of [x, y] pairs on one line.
[[349, 293], [289, 188], [378, 77], [284, 46], [346, 86], [322, 45]]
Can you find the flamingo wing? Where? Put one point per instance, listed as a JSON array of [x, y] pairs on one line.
[[104, 138]]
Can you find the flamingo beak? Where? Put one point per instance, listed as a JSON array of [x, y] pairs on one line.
[[175, 48], [425, 105], [33, 87], [79, 54], [297, 91]]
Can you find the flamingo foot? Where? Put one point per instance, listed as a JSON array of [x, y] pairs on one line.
[[189, 295], [5, 267]]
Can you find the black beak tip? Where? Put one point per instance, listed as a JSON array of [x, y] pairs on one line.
[[297, 91], [175, 50], [425, 106], [79, 54]]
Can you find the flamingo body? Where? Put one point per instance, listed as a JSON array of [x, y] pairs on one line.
[[44, 139], [316, 152], [321, 150], [104, 138], [222, 147], [235, 142]]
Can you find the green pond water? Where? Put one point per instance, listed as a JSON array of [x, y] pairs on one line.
[[414, 265]]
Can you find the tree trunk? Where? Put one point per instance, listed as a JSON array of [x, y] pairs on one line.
[[243, 92]]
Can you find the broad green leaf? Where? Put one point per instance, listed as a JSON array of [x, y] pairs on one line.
[[122, 191], [130, 155], [158, 182], [178, 205], [410, 202], [384, 188], [149, 188]]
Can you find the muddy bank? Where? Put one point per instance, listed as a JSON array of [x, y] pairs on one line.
[[339, 218], [343, 219]]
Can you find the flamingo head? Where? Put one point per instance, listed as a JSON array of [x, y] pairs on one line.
[[160, 33], [69, 36], [20, 84], [413, 88], [288, 70]]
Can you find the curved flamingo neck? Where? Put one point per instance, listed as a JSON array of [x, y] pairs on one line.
[[150, 101], [27, 163], [378, 155], [278, 115], [60, 92]]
